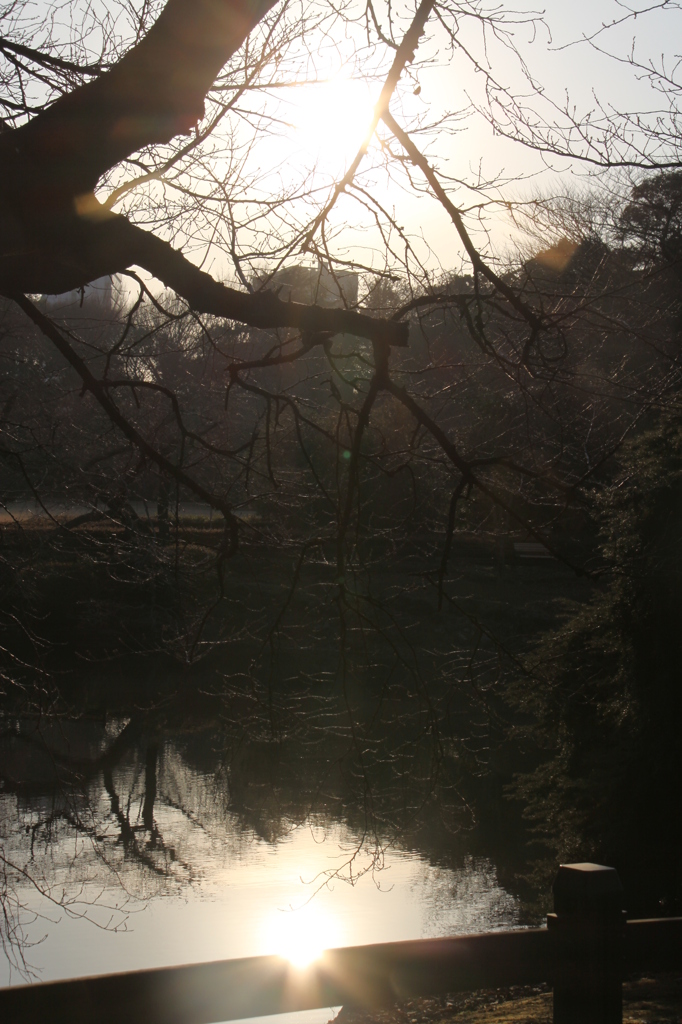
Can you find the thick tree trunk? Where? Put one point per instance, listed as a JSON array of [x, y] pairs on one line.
[[54, 234]]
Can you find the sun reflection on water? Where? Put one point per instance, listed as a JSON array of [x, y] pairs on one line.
[[301, 935]]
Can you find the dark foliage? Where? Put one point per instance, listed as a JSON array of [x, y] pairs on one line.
[[604, 695]]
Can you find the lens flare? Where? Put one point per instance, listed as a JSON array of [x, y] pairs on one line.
[[301, 936]]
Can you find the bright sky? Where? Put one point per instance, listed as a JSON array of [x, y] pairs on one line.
[[319, 126], [328, 119]]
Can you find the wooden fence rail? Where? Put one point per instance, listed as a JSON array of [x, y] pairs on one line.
[[584, 953]]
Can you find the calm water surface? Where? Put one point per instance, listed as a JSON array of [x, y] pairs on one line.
[[153, 866]]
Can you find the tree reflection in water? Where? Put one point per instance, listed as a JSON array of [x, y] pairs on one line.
[[98, 817]]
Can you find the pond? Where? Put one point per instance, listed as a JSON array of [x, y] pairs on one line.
[[127, 852]]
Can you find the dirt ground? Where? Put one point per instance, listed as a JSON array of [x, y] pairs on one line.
[[646, 1001]]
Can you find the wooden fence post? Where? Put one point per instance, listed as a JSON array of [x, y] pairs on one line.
[[587, 930]]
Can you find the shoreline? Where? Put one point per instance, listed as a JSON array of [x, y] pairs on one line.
[[647, 1000]]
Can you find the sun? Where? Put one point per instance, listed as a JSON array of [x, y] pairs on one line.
[[330, 118], [301, 936]]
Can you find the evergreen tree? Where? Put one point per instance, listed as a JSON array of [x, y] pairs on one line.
[[605, 694]]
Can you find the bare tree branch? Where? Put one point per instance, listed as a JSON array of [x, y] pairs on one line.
[[155, 92]]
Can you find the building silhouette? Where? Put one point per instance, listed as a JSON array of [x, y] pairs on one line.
[[311, 285]]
